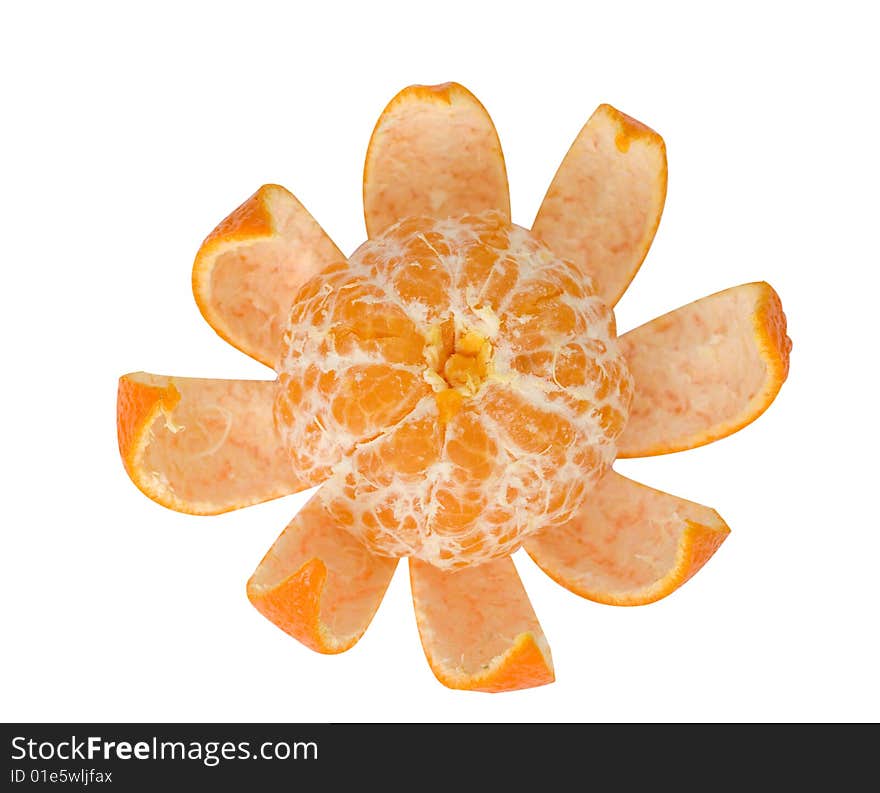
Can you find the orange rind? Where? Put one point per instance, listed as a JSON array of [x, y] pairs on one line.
[[434, 152], [249, 267], [604, 204], [705, 370], [202, 446], [478, 629], [319, 584], [458, 390], [629, 545]]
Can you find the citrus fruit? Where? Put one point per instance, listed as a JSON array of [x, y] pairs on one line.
[[458, 385], [458, 390]]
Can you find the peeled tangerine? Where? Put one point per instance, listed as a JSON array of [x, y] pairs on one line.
[[458, 389]]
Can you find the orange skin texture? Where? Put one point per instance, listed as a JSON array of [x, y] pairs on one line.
[[630, 130], [701, 372], [319, 584], [295, 607], [249, 222], [698, 546], [770, 327], [251, 219], [522, 666], [604, 205], [138, 405]]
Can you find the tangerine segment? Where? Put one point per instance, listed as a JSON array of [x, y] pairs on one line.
[[604, 204], [424, 379], [478, 628], [202, 446], [318, 583], [249, 268], [629, 545], [435, 152], [705, 370]]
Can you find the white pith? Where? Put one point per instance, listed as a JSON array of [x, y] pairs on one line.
[[517, 495]]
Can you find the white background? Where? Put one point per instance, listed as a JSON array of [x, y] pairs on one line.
[[129, 134]]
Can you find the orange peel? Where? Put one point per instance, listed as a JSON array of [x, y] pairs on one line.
[[319, 584], [705, 370], [458, 389], [437, 137], [630, 544], [604, 204], [478, 629], [202, 446], [249, 267]]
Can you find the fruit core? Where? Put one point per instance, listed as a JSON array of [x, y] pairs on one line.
[[459, 362]]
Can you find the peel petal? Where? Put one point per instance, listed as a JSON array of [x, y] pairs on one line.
[[434, 152], [320, 584], [202, 446], [604, 204], [478, 628], [705, 370], [629, 545], [248, 270]]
